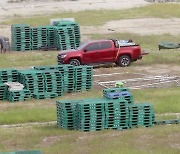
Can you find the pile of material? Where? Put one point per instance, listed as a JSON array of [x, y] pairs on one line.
[[43, 37], [104, 113], [21, 37], [67, 35], [8, 75], [44, 82], [62, 35]]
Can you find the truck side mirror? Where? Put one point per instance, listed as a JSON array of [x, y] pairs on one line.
[[85, 50]]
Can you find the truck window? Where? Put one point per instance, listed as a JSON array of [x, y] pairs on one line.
[[92, 47], [106, 45]]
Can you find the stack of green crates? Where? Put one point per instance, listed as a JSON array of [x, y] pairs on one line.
[[83, 78], [117, 114], [8, 75], [75, 78], [3, 91], [18, 95], [63, 35], [67, 114], [51, 37], [46, 68], [32, 80], [23, 152], [39, 37], [114, 91], [67, 35], [43, 37], [91, 115], [21, 37], [102, 113], [141, 115], [45, 95], [67, 72], [53, 81]]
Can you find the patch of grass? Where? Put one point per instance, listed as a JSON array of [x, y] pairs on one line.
[[49, 139], [24, 59], [23, 115], [92, 18], [171, 57], [149, 42], [164, 100]]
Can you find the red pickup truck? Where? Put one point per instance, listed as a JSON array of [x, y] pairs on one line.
[[101, 51]]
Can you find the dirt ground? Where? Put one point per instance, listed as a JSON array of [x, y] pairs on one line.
[[145, 26], [33, 7], [138, 77]]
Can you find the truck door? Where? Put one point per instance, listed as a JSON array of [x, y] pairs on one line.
[[106, 52], [90, 54]]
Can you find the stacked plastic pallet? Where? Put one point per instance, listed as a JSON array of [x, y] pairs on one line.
[[75, 78], [67, 72], [32, 80], [67, 35], [23, 152], [83, 78], [7, 75], [20, 95], [141, 115], [115, 93], [91, 115], [3, 91], [45, 95], [21, 37], [53, 81], [51, 37], [67, 114], [104, 113], [43, 37], [117, 114], [39, 37], [167, 122]]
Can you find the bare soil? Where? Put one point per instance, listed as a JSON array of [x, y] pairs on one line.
[[145, 26], [33, 7]]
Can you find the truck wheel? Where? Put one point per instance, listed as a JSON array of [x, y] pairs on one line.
[[74, 62], [124, 61]]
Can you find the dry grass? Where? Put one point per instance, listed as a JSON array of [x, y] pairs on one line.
[[49, 139]]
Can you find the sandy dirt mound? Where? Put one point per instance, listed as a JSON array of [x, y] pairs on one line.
[[145, 26]]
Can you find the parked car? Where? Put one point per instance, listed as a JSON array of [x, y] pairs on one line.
[[101, 51]]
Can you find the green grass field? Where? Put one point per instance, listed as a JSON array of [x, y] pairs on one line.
[[163, 100], [49, 139]]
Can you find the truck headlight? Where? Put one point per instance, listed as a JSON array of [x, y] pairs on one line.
[[63, 56]]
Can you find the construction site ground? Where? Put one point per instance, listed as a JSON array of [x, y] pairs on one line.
[[45, 135]]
